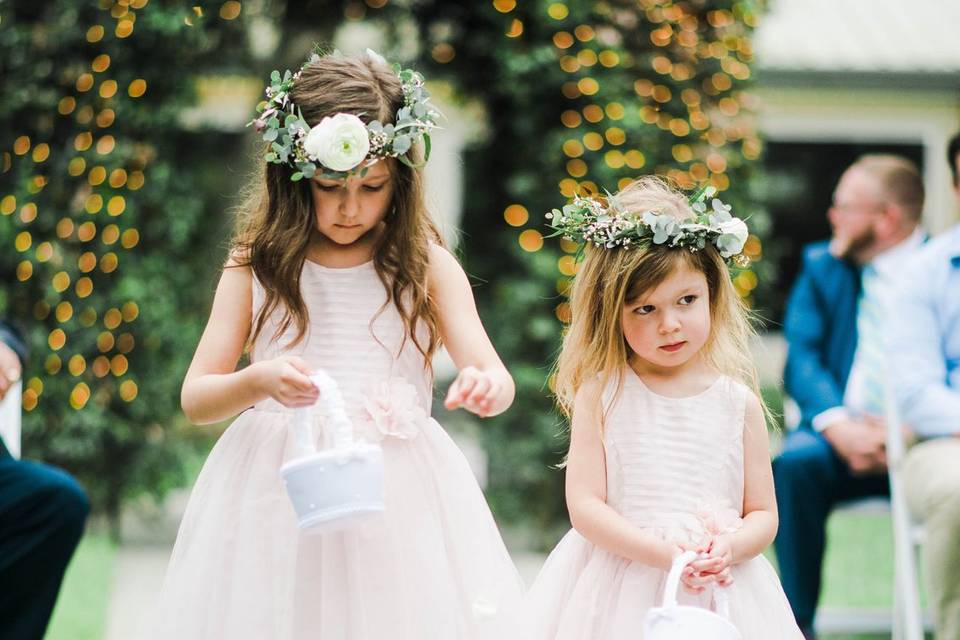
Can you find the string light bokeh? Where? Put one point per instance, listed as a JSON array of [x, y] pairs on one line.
[[641, 78], [80, 250]]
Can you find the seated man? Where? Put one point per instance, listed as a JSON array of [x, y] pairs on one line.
[[42, 514], [924, 347], [833, 336]]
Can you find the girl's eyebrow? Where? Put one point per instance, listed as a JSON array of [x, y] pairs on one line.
[[696, 288]]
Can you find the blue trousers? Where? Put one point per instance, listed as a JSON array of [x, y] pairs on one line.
[[42, 515], [810, 478]]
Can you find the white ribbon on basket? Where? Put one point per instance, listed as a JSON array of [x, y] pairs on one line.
[[338, 487], [332, 411], [672, 621]]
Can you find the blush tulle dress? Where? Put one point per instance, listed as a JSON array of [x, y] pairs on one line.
[[433, 567], [675, 470]]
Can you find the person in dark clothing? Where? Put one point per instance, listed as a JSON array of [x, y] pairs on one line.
[[42, 516]]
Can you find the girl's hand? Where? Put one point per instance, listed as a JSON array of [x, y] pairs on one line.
[[714, 567], [476, 391], [285, 380], [673, 550]]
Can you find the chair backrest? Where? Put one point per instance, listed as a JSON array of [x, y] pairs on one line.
[[10, 418]]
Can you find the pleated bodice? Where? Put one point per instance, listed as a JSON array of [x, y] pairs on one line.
[[673, 461]]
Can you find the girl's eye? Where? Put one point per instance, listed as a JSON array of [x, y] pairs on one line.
[[644, 310], [372, 188], [328, 187], [687, 300]]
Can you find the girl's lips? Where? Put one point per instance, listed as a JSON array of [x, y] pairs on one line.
[[676, 346]]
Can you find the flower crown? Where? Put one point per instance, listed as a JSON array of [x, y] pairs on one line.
[[588, 220], [342, 144]]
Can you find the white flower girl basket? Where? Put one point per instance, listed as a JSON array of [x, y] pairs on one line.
[[337, 488], [672, 621]]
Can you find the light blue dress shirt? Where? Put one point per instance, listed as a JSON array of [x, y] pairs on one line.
[[923, 339]]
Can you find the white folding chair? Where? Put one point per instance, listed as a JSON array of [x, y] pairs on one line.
[[908, 621], [10, 418]]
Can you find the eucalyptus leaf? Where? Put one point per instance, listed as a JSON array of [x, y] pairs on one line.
[[401, 144]]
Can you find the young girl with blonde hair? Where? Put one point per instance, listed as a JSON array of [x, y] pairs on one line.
[[336, 266], [668, 445]]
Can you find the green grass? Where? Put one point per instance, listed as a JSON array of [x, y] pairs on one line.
[[858, 567], [81, 609]]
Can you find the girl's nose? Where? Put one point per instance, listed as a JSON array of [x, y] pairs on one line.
[[349, 205], [669, 324]]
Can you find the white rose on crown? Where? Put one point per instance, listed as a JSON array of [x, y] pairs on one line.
[[339, 142], [733, 235]]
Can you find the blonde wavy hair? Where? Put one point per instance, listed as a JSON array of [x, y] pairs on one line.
[[594, 346]]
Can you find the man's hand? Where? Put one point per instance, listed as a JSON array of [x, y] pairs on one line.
[[861, 442], [9, 369]]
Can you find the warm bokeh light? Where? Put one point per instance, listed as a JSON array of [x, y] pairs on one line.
[[130, 238], [101, 63], [531, 240], [558, 11], [128, 390], [44, 251], [230, 10], [516, 215], [76, 365], [137, 88], [84, 287], [80, 395], [112, 319], [57, 339], [130, 311]]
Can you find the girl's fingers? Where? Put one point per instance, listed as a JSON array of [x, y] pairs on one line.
[[300, 365], [460, 390], [492, 393], [710, 565], [453, 393], [479, 391], [469, 382]]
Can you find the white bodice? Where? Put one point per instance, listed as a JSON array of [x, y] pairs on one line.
[[351, 335], [675, 465]]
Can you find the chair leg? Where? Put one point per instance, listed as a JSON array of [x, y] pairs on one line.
[[897, 626]]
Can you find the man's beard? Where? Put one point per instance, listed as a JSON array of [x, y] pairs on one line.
[[855, 247]]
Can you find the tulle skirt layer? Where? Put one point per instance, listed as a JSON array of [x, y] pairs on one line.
[[586, 593], [433, 567]]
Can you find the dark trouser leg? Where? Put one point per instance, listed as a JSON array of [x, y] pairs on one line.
[[42, 514], [810, 479]]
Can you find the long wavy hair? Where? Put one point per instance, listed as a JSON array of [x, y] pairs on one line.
[[594, 347], [276, 218]]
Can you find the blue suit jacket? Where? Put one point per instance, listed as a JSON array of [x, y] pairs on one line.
[[12, 338], [820, 326]]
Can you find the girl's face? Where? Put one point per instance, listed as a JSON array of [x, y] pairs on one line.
[[347, 210], [666, 326]]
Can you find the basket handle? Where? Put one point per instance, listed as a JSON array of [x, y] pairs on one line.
[[331, 409], [721, 600]]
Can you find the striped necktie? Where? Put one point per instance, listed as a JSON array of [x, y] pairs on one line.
[[870, 356]]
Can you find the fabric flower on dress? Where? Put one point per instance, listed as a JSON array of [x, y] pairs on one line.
[[394, 409], [718, 517]]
